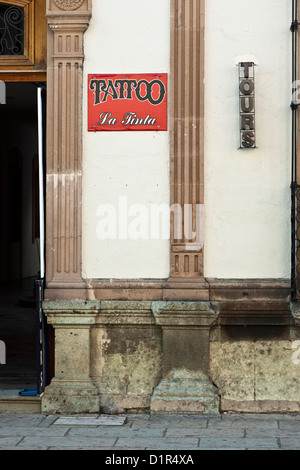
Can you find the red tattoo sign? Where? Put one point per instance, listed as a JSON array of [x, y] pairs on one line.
[[127, 102]]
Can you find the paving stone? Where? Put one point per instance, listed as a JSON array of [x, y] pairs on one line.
[[21, 448], [290, 417], [130, 433], [234, 444], [32, 431], [88, 421], [173, 447], [192, 432], [48, 420], [149, 425], [277, 433], [182, 419], [243, 423], [253, 416], [9, 441], [20, 419], [68, 441], [289, 444], [178, 423], [82, 447], [163, 443], [289, 426], [150, 432], [138, 417], [129, 448]]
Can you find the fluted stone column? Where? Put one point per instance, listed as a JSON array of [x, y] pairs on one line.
[[67, 22], [187, 152]]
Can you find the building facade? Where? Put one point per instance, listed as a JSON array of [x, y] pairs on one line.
[[169, 250]]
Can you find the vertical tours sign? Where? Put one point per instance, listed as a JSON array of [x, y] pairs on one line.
[[247, 105]]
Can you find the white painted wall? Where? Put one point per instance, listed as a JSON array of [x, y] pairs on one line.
[[247, 196], [125, 37]]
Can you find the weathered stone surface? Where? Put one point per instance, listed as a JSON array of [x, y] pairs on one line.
[[114, 353], [126, 364], [277, 373], [68, 397], [185, 313], [177, 405], [71, 305], [184, 391], [132, 402], [73, 358], [190, 351], [256, 376], [124, 312], [232, 369], [71, 390], [71, 312], [260, 406]]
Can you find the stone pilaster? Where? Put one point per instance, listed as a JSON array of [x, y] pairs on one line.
[[67, 22], [71, 390], [186, 152], [185, 385]]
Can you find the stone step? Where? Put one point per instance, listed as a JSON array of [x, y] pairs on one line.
[[12, 402]]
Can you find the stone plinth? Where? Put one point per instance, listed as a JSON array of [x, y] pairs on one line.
[[71, 390], [185, 385]]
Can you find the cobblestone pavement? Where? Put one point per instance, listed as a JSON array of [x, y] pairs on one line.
[[151, 432]]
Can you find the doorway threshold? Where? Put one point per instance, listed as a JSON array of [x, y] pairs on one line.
[[12, 402]]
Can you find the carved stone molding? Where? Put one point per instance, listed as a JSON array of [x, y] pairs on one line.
[[64, 149], [68, 4]]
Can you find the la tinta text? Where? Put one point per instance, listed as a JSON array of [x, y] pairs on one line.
[[129, 119]]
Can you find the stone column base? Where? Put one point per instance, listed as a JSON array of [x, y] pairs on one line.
[[69, 398], [184, 391], [72, 389]]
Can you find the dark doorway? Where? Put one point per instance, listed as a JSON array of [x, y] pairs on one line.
[[19, 234]]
